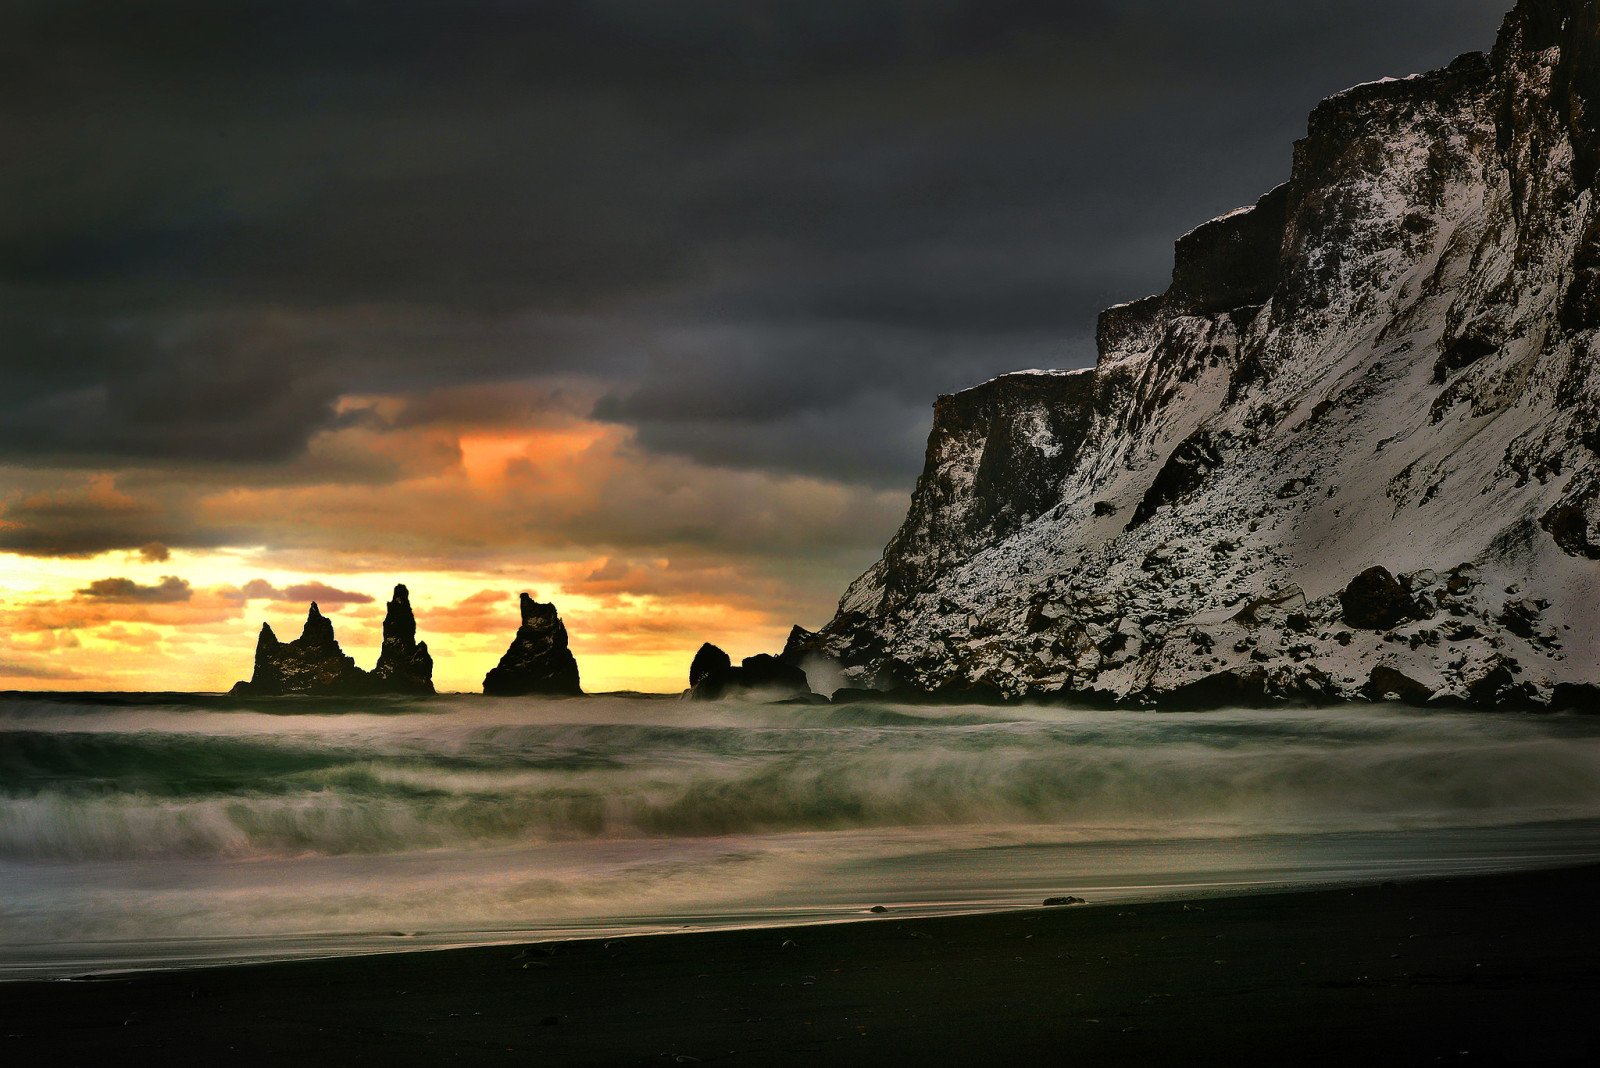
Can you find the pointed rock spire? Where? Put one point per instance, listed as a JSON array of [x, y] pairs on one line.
[[538, 661], [318, 630], [314, 665], [404, 665], [311, 664]]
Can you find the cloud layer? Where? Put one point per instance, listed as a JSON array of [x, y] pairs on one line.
[[661, 291]]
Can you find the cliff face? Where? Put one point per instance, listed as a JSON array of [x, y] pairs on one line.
[[1390, 362]]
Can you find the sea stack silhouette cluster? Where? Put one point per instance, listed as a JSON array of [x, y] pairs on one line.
[[313, 665]]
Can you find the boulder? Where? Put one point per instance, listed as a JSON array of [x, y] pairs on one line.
[[1497, 687], [1385, 683], [1375, 600], [765, 672], [1576, 697], [538, 661]]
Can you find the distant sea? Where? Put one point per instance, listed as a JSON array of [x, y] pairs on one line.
[[159, 830]]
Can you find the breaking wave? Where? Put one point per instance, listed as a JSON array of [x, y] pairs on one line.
[[149, 782]]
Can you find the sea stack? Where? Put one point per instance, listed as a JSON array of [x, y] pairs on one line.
[[538, 661], [712, 676], [312, 664], [404, 665]]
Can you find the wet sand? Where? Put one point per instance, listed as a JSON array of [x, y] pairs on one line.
[[1484, 970]]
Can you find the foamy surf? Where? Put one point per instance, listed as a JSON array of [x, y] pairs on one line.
[[168, 832]]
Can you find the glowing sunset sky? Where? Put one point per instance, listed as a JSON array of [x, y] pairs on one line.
[[638, 306]]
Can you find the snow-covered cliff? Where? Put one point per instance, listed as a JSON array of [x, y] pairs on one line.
[[1390, 362]]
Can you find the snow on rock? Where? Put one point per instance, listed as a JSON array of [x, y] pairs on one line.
[[1391, 361]]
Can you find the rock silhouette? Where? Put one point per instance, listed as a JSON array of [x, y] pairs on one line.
[[404, 665], [313, 665], [538, 661], [712, 676]]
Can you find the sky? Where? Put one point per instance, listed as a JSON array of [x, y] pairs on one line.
[[638, 306]]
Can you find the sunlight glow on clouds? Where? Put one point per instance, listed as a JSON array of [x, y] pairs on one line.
[[158, 579]]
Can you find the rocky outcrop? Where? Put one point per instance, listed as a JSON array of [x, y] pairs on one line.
[[404, 665], [538, 661], [1362, 421], [311, 665], [712, 677]]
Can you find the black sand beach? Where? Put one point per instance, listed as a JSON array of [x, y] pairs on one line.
[[1501, 969]]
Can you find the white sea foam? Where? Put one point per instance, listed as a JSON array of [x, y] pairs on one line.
[[219, 826]]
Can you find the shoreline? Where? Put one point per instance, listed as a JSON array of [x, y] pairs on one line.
[[1500, 968]]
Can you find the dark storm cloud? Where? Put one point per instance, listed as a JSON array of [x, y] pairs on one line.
[[170, 590], [772, 230]]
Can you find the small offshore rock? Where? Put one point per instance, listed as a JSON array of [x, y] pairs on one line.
[[712, 676], [1067, 900]]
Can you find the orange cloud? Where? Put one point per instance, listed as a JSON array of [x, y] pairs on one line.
[[301, 593], [484, 612]]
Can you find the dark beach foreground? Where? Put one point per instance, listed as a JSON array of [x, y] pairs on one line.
[[1489, 970]]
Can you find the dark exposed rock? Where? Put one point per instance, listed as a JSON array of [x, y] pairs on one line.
[[1576, 697], [766, 672], [963, 691], [1568, 523], [538, 661], [712, 677], [708, 661], [1292, 488], [311, 665], [1476, 342], [1184, 472], [1240, 687], [1521, 617], [1375, 600], [1231, 262], [801, 644], [1039, 619], [404, 665], [1024, 429], [1498, 687], [1387, 684], [854, 695], [1067, 899]]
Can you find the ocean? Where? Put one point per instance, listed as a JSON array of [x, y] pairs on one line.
[[164, 830]]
